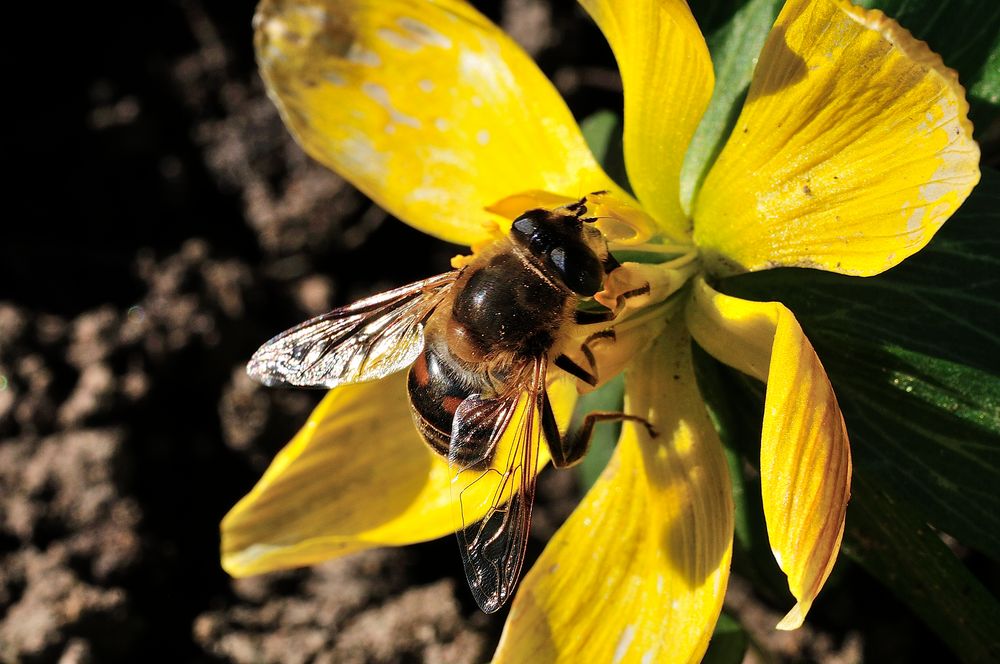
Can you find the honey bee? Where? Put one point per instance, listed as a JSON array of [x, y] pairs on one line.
[[479, 342]]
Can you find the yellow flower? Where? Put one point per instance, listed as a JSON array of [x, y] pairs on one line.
[[851, 150]]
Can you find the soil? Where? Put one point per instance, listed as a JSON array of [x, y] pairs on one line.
[[161, 224]]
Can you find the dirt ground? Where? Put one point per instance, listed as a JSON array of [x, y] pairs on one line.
[[161, 224]]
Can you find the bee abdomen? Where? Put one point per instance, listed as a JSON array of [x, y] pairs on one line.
[[437, 439], [436, 391]]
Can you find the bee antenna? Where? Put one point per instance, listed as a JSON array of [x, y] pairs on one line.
[[580, 206]]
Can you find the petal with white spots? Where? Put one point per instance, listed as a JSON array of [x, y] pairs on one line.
[[427, 107], [852, 149]]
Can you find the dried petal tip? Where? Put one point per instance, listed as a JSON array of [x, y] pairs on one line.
[[851, 151]]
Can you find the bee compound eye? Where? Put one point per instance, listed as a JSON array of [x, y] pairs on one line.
[[579, 269], [533, 231], [558, 258], [524, 226]]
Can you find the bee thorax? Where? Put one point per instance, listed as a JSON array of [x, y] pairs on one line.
[[506, 306]]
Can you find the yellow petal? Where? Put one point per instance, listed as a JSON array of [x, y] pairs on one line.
[[427, 107], [659, 281], [852, 149], [805, 457], [513, 206], [618, 217], [356, 476], [667, 75], [638, 572]]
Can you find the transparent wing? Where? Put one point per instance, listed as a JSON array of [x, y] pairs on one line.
[[367, 340], [494, 457]]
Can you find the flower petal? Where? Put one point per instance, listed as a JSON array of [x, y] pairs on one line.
[[667, 75], [427, 107], [805, 457], [356, 476], [852, 149], [617, 216], [638, 572]]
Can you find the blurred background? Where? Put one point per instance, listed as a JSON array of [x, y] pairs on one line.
[[160, 225]]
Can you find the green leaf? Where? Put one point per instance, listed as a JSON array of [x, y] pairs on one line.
[[962, 31], [734, 47], [890, 539], [608, 397], [729, 642], [711, 14], [603, 133], [738, 424], [913, 356], [894, 545], [984, 96], [987, 88], [966, 33]]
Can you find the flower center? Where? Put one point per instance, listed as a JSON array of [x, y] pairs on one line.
[[644, 292]]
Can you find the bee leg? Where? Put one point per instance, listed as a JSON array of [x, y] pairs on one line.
[[572, 368], [575, 370], [592, 317], [608, 333], [635, 292], [569, 450], [550, 429]]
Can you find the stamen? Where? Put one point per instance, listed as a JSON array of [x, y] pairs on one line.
[[680, 262], [640, 285], [646, 315], [611, 354], [651, 248]]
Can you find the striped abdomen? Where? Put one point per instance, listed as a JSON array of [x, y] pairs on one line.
[[437, 387]]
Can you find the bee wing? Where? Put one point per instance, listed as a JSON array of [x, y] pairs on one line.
[[369, 339], [493, 547]]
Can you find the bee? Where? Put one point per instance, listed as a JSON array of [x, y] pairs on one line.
[[479, 343]]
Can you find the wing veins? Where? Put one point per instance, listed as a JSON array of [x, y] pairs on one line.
[[362, 341], [493, 548]]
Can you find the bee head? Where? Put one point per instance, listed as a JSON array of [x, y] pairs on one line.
[[560, 242]]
